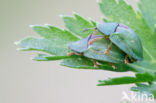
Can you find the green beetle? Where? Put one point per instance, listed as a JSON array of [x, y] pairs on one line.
[[96, 51], [123, 37]]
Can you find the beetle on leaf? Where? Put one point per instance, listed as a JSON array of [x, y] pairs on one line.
[[122, 36], [96, 51]]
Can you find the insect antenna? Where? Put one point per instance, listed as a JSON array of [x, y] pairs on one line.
[[89, 29]]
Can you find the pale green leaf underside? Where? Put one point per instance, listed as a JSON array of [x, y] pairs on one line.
[[53, 41], [41, 44]]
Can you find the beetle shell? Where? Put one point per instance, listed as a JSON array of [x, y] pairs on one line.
[[97, 50], [79, 46], [106, 28], [123, 37], [128, 41]]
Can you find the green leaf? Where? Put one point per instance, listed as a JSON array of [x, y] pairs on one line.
[[54, 34], [77, 24], [41, 44], [123, 13], [145, 89], [41, 57], [45, 57], [153, 90], [144, 66], [148, 10], [127, 80], [55, 41], [93, 22], [78, 62], [81, 62], [141, 88]]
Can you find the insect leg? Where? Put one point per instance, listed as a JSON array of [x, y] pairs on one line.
[[109, 48], [93, 37], [113, 66], [74, 53], [95, 64], [70, 53], [126, 59], [92, 41]]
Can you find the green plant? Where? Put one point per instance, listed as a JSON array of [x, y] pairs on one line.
[[54, 41]]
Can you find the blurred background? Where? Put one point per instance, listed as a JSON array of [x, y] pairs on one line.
[[25, 81]]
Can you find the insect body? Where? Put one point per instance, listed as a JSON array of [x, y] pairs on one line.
[[123, 37], [96, 51]]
